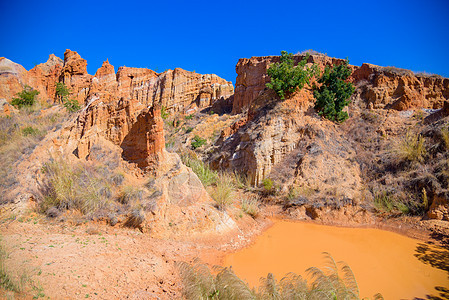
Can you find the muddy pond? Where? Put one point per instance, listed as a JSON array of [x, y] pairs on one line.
[[383, 262]]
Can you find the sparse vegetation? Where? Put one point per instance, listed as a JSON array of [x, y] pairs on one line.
[[334, 283], [223, 191], [445, 137], [412, 148], [25, 98], [333, 94], [387, 202], [286, 78], [164, 113], [68, 187], [206, 175], [72, 105], [62, 91], [197, 142], [7, 281], [250, 205]]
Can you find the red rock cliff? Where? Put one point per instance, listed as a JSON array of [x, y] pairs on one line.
[[380, 87]]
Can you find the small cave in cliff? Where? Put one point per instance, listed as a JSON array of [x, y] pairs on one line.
[[144, 144]]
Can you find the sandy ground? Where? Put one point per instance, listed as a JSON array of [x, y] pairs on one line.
[[102, 262]]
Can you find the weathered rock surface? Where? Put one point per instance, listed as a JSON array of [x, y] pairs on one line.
[[379, 87], [43, 77], [74, 75], [392, 88], [252, 76], [175, 90], [12, 78]]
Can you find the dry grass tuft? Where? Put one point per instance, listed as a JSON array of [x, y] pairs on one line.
[[412, 148], [223, 191], [336, 283], [250, 205]]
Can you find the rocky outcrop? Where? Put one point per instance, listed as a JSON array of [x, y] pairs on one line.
[[252, 76], [378, 87], [12, 78], [74, 75], [43, 77], [281, 142], [176, 90], [393, 88]]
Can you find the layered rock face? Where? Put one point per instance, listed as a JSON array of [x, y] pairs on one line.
[[387, 87], [43, 77], [12, 78], [379, 87], [175, 90], [280, 141], [252, 76], [74, 75]]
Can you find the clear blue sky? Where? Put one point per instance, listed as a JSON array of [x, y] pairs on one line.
[[210, 36]]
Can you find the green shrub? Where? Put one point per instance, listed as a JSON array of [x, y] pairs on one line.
[[189, 129], [286, 78], [384, 201], [72, 105], [197, 142], [29, 130], [189, 117], [334, 92], [25, 98], [62, 91]]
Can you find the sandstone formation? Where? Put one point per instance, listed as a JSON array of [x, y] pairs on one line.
[[176, 90], [12, 78], [378, 87], [387, 87], [43, 77], [252, 76], [74, 75]]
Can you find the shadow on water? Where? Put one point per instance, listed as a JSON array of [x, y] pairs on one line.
[[437, 258]]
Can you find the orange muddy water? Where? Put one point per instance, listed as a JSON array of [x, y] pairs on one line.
[[383, 262]]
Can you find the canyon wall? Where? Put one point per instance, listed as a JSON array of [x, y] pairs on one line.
[[176, 90], [378, 87]]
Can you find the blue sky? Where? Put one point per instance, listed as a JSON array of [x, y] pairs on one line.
[[210, 36]]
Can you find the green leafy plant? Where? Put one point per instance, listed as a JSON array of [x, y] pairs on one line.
[[25, 98], [334, 92], [202, 170], [197, 142], [71, 105], [189, 117], [62, 91], [286, 78]]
